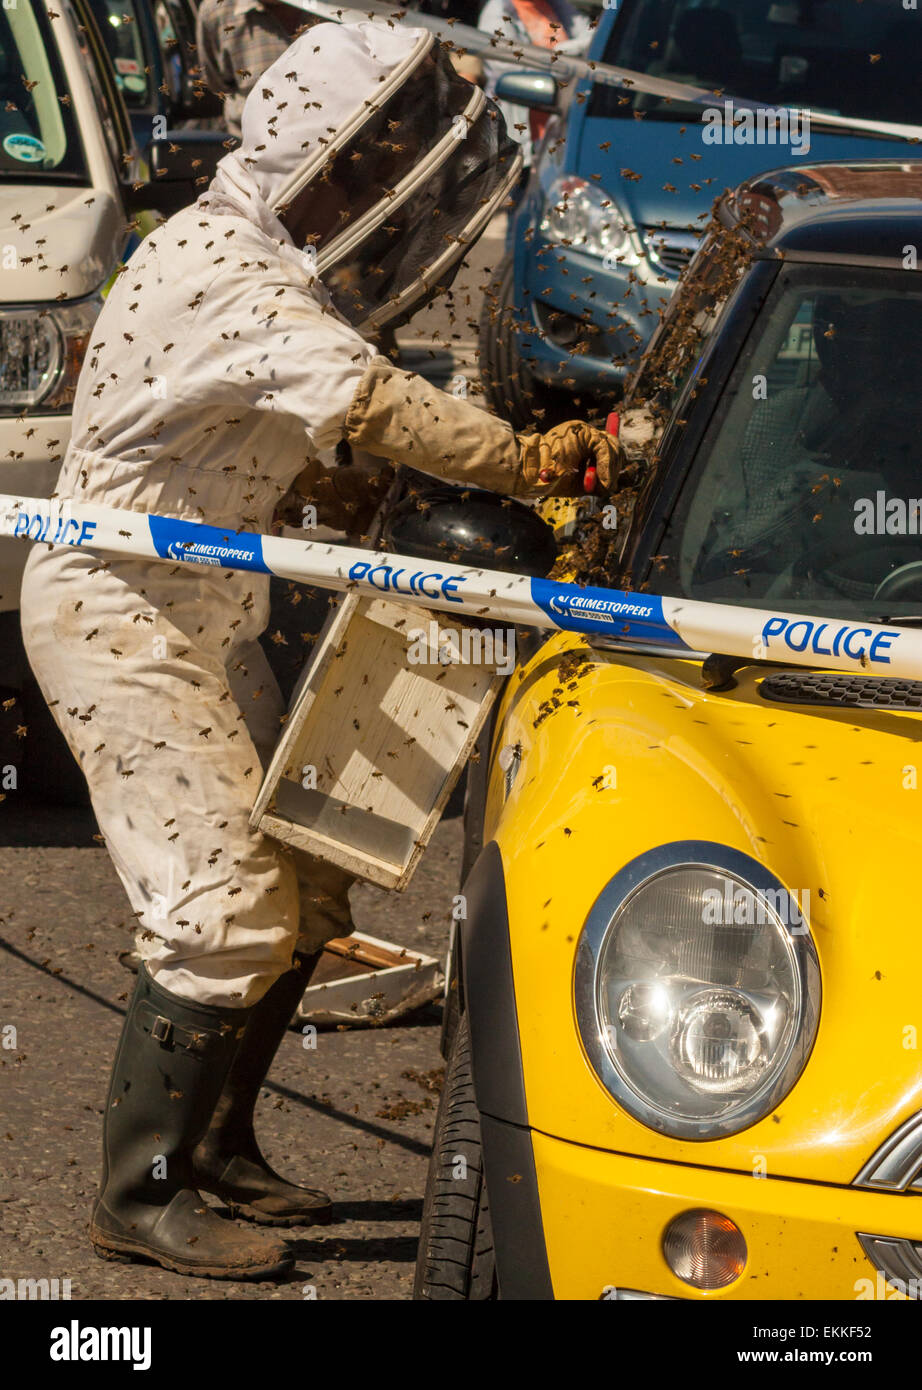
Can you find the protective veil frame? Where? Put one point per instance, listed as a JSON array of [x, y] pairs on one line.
[[475, 111], [429, 276], [417, 179], [350, 128]]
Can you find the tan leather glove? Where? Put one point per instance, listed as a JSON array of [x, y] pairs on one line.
[[553, 464], [399, 416]]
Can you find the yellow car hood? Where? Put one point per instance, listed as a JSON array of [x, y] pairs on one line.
[[619, 754]]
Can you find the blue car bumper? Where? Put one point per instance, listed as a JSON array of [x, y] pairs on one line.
[[582, 324]]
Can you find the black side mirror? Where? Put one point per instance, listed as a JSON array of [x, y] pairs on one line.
[[537, 90], [467, 526], [181, 165]]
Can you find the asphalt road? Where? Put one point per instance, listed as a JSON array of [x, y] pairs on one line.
[[355, 1116]]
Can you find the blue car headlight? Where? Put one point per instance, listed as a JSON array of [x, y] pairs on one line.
[[580, 216], [697, 989]]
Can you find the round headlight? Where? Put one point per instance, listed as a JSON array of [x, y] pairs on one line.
[[41, 353], [31, 352], [579, 215], [697, 989]]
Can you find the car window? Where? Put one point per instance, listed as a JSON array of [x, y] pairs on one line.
[[170, 43], [119, 24], [806, 491], [38, 137], [805, 53], [109, 106]]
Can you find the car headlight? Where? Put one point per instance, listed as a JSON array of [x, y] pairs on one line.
[[579, 215], [41, 353], [697, 989]]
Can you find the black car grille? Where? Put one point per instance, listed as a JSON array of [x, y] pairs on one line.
[[670, 251], [857, 692]]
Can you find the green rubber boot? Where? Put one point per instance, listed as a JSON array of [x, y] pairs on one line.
[[228, 1161], [172, 1061]]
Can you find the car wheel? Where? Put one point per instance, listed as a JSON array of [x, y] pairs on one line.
[[511, 389], [451, 1005], [456, 1255]]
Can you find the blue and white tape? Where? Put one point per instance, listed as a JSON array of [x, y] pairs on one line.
[[628, 617], [672, 624], [206, 545]]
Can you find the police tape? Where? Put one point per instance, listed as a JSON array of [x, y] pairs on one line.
[[633, 619]]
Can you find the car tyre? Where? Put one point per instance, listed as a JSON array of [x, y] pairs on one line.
[[511, 389], [456, 1253]]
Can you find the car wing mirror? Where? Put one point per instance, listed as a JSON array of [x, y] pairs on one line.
[[468, 526], [180, 166], [537, 90]]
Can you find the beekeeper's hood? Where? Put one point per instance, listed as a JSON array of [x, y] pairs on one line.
[[362, 143]]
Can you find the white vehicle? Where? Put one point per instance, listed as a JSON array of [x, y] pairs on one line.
[[69, 197]]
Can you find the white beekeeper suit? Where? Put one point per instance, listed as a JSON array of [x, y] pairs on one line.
[[220, 367], [163, 691], [219, 370]]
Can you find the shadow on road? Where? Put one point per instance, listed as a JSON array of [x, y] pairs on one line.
[[397, 1249], [390, 1136], [57, 975]]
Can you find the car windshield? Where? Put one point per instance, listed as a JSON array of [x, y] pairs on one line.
[[806, 491], [122, 34], [38, 138], [838, 56]]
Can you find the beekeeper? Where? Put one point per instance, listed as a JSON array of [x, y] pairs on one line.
[[230, 358]]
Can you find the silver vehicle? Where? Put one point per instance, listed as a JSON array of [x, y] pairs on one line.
[[72, 204]]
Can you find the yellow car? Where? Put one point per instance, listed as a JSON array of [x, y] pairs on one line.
[[682, 1030]]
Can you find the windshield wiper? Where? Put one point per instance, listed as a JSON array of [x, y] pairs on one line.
[[718, 671]]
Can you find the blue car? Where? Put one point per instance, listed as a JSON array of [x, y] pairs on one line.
[[624, 180]]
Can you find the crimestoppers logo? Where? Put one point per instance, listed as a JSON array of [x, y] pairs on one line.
[[568, 605], [206, 545]]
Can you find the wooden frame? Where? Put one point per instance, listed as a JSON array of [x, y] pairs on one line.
[[374, 743]]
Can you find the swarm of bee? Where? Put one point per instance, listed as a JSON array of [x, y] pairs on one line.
[[593, 555]]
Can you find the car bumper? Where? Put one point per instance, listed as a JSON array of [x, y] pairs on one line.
[[587, 325], [30, 460], [604, 1214]]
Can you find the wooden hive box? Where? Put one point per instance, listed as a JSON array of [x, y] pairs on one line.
[[374, 742]]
